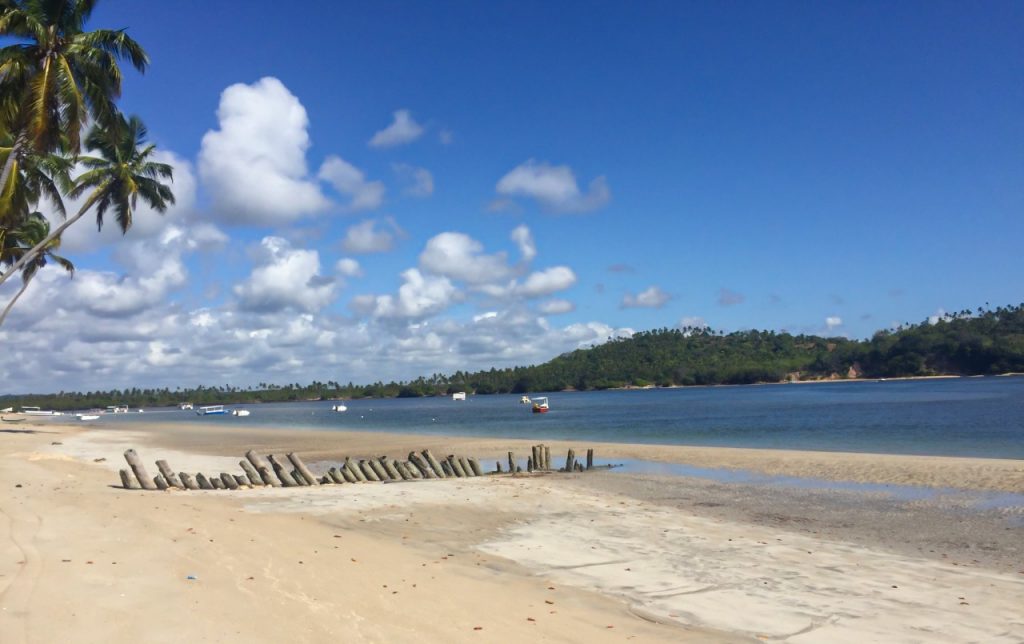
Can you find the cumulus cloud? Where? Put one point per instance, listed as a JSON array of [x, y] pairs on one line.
[[556, 307], [351, 181], [348, 267], [554, 187], [650, 298], [939, 316], [728, 297], [833, 321], [523, 238], [254, 164], [419, 296], [459, 256], [692, 322], [365, 237], [547, 281], [403, 129], [418, 181], [286, 278]]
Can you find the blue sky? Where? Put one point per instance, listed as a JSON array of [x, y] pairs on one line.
[[594, 168]]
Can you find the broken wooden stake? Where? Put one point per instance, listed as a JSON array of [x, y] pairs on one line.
[[169, 476], [126, 480], [303, 470], [145, 482]]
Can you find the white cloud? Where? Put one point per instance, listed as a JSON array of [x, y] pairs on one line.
[[350, 180], [939, 316], [547, 281], [556, 307], [403, 129], [418, 181], [833, 321], [419, 296], [524, 239], [693, 321], [365, 237], [348, 267], [651, 298], [286, 278], [254, 165], [554, 187], [459, 256]]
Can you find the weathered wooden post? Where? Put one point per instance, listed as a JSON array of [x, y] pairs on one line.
[[229, 481], [535, 453], [368, 471], [590, 458], [446, 469], [547, 457], [335, 475], [251, 473], [241, 480], [511, 463], [282, 474], [299, 479], [465, 466], [434, 464], [497, 467], [475, 466], [389, 468], [378, 469], [347, 471], [139, 470], [160, 482], [186, 480], [570, 461], [422, 465], [453, 462], [262, 469], [303, 470], [168, 474], [204, 483], [217, 483], [529, 463], [126, 480], [403, 471]]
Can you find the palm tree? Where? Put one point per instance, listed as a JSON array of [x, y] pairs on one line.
[[114, 180], [59, 75], [18, 241], [35, 176]]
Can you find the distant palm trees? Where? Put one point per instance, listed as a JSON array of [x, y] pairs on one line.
[[54, 79]]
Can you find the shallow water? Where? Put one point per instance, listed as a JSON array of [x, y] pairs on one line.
[[949, 417]]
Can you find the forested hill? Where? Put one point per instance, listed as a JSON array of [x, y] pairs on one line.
[[965, 343]]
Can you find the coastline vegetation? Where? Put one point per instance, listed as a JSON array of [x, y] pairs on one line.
[[982, 342]]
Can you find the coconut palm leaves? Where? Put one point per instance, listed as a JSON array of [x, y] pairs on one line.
[[16, 244], [59, 76], [114, 180]]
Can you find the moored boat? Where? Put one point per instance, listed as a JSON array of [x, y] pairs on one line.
[[339, 407], [185, 405], [210, 410], [239, 412], [459, 395], [36, 411], [525, 400], [540, 405], [88, 417]]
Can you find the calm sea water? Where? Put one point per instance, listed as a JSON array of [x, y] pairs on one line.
[[952, 417]]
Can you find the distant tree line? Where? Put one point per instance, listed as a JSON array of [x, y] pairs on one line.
[[981, 342]]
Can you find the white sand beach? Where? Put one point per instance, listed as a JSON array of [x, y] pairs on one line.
[[552, 557]]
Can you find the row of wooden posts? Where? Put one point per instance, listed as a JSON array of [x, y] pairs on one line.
[[294, 473]]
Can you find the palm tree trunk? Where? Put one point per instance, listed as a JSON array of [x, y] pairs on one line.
[[10, 305], [35, 250]]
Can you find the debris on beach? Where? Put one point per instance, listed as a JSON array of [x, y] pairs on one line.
[[291, 471]]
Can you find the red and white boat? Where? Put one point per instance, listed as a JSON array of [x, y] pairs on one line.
[[540, 405]]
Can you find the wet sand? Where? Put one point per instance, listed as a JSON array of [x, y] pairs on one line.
[[600, 556]]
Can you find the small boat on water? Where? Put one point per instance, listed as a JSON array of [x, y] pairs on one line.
[[459, 395], [6, 410], [525, 400], [239, 412], [540, 405], [36, 411], [339, 408], [185, 405], [88, 417], [210, 410], [117, 409]]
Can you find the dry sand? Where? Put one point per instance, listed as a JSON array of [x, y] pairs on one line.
[[545, 558]]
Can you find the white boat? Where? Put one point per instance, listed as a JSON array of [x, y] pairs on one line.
[[459, 395], [210, 410], [239, 412], [36, 411], [525, 400], [185, 405], [117, 409], [6, 410], [88, 417], [339, 408]]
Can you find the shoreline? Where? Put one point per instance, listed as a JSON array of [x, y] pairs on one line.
[[589, 557]]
